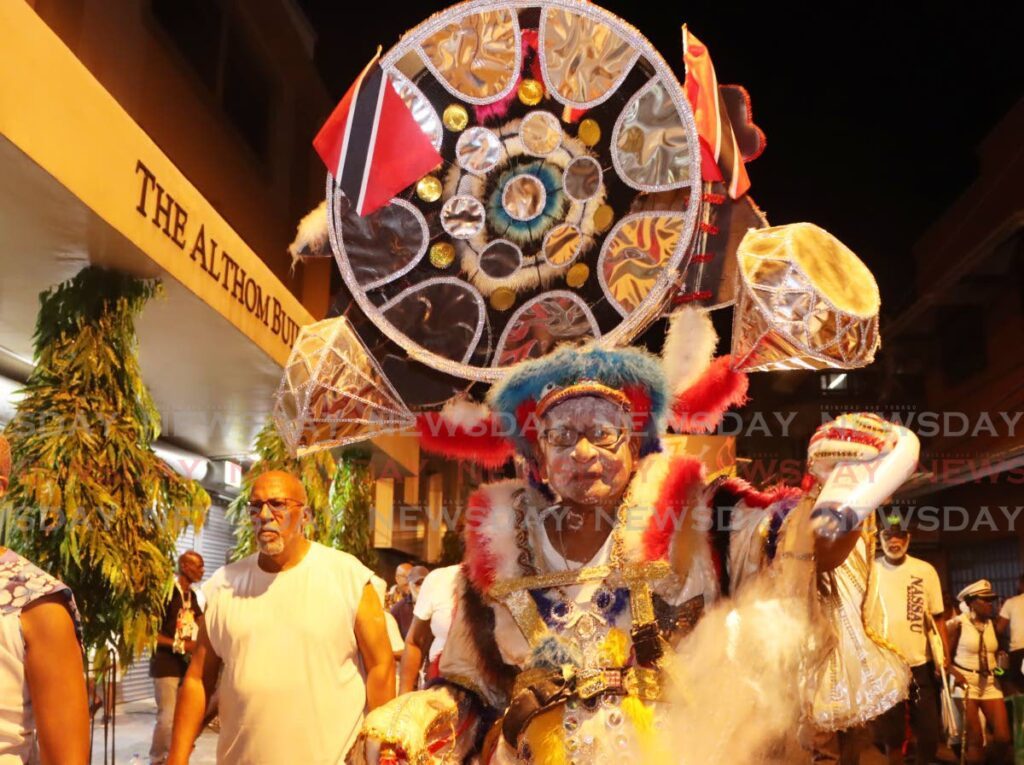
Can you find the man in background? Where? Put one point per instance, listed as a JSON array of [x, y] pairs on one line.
[[175, 641], [432, 618], [401, 586], [909, 592], [403, 609], [1011, 618]]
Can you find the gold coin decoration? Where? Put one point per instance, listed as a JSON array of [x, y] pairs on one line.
[[442, 254], [428, 188], [576, 276], [531, 92], [455, 117], [502, 299], [589, 132], [603, 217]]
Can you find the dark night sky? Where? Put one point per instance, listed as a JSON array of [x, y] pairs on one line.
[[873, 112]]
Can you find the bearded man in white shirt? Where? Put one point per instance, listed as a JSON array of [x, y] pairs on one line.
[[910, 600]]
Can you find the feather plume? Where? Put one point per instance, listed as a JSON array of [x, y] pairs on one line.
[[700, 407], [689, 347], [311, 236]]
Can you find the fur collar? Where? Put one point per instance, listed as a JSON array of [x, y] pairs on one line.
[[664, 504]]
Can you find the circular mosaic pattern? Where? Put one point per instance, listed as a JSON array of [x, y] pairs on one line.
[[559, 122]]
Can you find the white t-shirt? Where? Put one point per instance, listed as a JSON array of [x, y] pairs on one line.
[[291, 690], [435, 603], [906, 591], [1013, 609]]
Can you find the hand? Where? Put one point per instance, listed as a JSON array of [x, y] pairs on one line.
[[190, 646], [957, 675]]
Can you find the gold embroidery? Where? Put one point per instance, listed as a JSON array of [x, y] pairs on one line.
[[650, 570], [642, 682], [527, 617]]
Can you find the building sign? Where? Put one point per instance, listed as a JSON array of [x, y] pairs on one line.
[[69, 125], [203, 250]]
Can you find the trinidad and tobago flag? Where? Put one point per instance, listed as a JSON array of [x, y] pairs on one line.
[[372, 144]]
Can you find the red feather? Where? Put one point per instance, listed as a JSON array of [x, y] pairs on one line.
[[641, 405], [674, 499], [761, 499], [480, 443], [699, 408], [479, 560]]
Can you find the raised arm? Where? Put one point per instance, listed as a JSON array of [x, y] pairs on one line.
[[193, 697], [375, 648], [56, 682]]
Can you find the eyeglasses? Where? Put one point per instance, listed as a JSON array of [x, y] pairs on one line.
[[277, 507], [603, 436]]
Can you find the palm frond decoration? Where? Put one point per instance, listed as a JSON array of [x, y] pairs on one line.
[[339, 494], [89, 500]]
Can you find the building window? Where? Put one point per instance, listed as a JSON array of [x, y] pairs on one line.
[[246, 92], [834, 383], [961, 338], [217, 49]]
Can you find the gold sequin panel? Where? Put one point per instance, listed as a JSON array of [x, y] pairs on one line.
[[476, 55], [584, 59]]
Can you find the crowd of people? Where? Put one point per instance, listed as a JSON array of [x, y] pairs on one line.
[[299, 642]]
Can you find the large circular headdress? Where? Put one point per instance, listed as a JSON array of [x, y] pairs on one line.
[[565, 203]]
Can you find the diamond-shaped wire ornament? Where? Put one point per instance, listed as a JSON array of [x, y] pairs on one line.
[[805, 301], [334, 393]]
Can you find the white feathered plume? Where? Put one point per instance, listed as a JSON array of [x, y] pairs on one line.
[[689, 347], [311, 236]]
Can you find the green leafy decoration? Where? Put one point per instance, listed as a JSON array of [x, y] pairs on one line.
[[89, 501], [339, 494]]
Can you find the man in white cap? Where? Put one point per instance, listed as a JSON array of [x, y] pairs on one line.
[[910, 601]]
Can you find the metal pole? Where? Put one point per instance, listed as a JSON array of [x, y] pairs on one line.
[[113, 713], [963, 732]]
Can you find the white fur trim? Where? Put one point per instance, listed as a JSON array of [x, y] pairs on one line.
[[640, 501], [311, 235], [499, 528], [689, 347], [465, 413]]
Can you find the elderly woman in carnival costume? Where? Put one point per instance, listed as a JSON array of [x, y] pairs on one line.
[[579, 580]]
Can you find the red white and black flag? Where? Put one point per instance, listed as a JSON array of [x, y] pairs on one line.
[[372, 144]]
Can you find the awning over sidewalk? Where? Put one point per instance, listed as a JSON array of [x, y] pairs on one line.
[[81, 183]]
